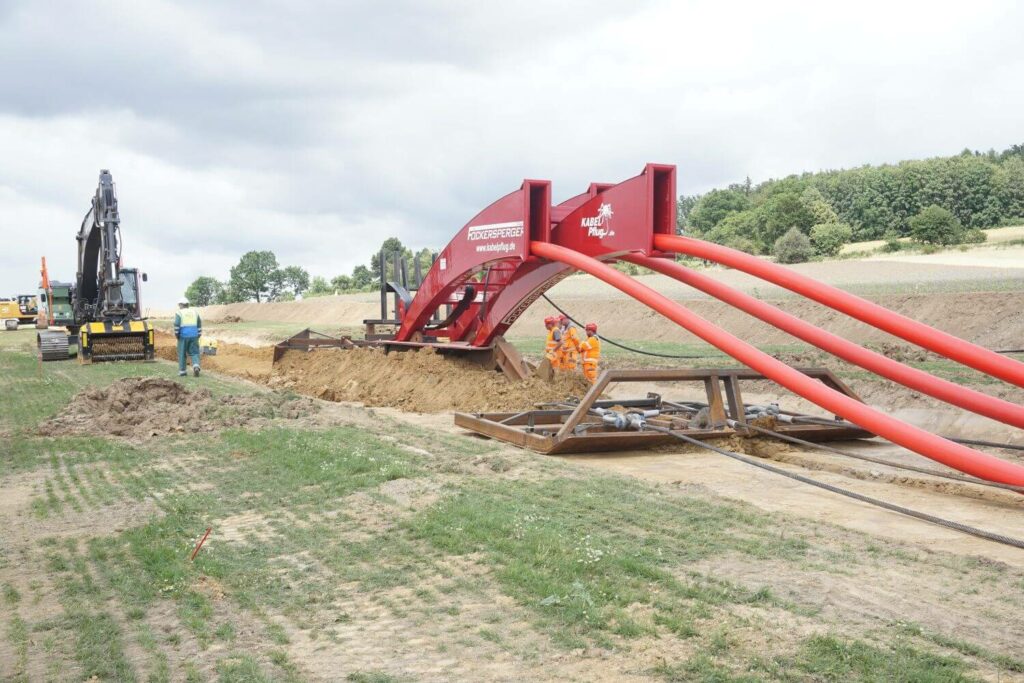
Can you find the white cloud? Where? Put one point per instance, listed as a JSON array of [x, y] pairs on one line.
[[318, 129]]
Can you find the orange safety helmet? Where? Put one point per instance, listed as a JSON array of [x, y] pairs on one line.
[[591, 327]]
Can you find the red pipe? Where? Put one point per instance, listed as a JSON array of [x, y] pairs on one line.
[[951, 347], [929, 445], [944, 390]]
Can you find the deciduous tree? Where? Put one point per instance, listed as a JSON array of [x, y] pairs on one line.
[[254, 275]]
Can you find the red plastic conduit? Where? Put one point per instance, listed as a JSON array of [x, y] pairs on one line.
[[944, 390], [929, 445], [927, 337]]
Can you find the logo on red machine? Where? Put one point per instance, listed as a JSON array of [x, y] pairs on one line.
[[492, 237], [599, 226]]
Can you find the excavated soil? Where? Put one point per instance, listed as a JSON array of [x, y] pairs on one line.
[[419, 381], [239, 360], [145, 407]]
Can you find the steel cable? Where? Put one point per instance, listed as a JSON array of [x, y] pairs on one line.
[[877, 461], [949, 524], [619, 344]]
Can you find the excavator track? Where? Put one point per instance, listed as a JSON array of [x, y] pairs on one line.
[[53, 344]]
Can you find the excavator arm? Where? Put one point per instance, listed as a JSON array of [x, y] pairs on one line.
[[100, 279]]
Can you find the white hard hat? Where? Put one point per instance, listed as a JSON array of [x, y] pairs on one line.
[[183, 301]]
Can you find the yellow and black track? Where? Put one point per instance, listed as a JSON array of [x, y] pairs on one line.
[[109, 341]]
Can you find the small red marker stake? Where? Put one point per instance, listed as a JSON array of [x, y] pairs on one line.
[[200, 544]]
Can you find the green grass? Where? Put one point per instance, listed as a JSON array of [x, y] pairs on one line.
[[10, 594], [586, 560], [879, 289], [1003, 662], [579, 553], [17, 635], [824, 658], [371, 677], [241, 668], [840, 659], [99, 646]]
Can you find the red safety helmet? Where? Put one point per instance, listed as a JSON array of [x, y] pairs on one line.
[[563, 318], [591, 327], [550, 320]]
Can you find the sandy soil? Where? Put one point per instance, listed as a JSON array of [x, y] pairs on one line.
[[239, 360], [416, 381]]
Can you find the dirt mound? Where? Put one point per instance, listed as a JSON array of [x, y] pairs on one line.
[[145, 407], [419, 381], [233, 359]]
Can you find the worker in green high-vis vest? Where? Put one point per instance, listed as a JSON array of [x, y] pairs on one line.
[[188, 328]]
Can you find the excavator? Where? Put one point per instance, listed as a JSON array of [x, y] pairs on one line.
[[18, 310], [106, 313]]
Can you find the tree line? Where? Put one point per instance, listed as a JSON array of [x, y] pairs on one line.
[[258, 277], [943, 200]]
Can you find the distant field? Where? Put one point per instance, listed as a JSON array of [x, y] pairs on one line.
[[995, 236]]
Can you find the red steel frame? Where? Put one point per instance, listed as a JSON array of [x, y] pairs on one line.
[[521, 245]]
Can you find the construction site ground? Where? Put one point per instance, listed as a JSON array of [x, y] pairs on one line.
[[356, 534]]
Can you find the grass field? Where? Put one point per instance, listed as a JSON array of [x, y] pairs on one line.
[[361, 548]]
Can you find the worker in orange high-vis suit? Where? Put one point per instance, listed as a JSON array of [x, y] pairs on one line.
[[591, 348], [570, 346], [553, 341]]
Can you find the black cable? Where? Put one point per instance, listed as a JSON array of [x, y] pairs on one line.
[[954, 439], [878, 461], [989, 444], [949, 524], [618, 344]]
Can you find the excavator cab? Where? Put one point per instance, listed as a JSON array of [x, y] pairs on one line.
[[28, 305]]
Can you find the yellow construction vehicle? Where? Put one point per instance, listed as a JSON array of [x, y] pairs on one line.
[[19, 310], [10, 314], [106, 308]]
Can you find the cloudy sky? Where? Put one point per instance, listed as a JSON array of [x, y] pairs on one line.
[[317, 129]]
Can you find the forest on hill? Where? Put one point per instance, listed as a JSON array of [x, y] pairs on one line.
[[952, 198]]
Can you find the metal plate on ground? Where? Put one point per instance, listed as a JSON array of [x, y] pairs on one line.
[[572, 427]]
